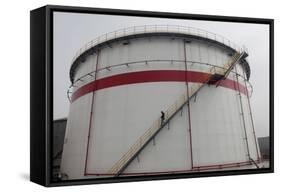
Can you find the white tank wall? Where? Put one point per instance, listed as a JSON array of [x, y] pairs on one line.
[[252, 141], [86, 67], [122, 116], [152, 49], [123, 113], [74, 150], [217, 133], [139, 50]]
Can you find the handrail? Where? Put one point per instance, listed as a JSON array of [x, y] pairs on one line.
[[157, 28], [146, 62], [253, 161]]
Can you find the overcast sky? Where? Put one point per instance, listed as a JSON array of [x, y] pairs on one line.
[[73, 30]]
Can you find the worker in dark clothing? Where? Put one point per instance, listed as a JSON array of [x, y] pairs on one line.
[[162, 117]]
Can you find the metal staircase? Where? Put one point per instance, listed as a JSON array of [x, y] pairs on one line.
[[221, 73], [215, 75]]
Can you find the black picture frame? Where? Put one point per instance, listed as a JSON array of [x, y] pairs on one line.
[[41, 83]]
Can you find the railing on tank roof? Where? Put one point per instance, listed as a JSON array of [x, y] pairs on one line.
[[146, 62], [158, 28]]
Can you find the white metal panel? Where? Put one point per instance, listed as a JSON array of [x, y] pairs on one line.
[[87, 66], [122, 115], [74, 149], [212, 51], [236, 123], [142, 50], [212, 128], [204, 56], [249, 125], [171, 151]]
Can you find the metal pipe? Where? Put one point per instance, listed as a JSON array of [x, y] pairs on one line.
[[90, 121], [251, 115], [188, 108], [242, 113]]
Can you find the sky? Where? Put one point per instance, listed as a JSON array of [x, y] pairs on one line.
[[73, 30]]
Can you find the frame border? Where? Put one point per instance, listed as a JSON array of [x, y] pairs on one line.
[[41, 92]]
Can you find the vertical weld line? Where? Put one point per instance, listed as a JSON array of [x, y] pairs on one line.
[[188, 107], [242, 111], [251, 115], [90, 121]]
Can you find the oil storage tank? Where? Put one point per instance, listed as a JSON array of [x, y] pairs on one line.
[[159, 99]]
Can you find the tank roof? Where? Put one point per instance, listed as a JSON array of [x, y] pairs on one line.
[[174, 31]]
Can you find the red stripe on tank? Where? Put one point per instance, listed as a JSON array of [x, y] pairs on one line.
[[152, 76]]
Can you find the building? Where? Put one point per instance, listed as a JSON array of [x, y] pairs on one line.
[[58, 131], [264, 147]]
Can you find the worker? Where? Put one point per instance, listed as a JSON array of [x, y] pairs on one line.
[[162, 117]]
